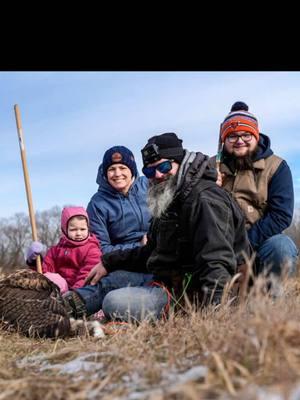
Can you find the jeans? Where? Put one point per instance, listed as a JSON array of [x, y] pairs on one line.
[[136, 303], [278, 255], [93, 295]]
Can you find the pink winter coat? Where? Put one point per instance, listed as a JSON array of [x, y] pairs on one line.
[[71, 259], [73, 262]]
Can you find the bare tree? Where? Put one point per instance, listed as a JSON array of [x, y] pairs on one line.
[[15, 233], [48, 226], [16, 236]]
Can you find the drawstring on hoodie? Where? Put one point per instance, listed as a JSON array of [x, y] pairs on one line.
[[122, 198]]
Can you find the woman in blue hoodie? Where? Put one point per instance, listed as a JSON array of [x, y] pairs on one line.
[[120, 219], [118, 212]]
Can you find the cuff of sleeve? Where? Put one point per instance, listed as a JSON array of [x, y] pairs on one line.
[[106, 264]]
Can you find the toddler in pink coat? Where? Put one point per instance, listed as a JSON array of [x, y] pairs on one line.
[[68, 263]]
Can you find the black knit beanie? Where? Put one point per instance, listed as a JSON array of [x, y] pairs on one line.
[[169, 146]]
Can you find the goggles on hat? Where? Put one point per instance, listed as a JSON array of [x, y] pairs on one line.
[[150, 153], [164, 167]]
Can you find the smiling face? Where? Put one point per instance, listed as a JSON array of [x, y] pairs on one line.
[[237, 146], [78, 228], [119, 177]]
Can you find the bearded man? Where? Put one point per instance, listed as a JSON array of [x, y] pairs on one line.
[[261, 182], [197, 237]]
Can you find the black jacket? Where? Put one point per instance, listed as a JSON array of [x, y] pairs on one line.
[[202, 232]]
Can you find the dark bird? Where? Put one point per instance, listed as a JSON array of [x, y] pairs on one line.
[[32, 305]]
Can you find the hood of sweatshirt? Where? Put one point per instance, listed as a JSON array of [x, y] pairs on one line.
[[66, 215]]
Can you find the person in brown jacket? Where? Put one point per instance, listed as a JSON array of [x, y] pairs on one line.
[[261, 182]]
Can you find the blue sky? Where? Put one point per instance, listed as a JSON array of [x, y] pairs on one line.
[[70, 118]]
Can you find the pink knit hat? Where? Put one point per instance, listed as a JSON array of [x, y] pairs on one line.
[[67, 214]]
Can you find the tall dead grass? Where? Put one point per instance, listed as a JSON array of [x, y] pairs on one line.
[[254, 343]]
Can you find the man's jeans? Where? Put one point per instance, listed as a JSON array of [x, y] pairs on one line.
[[278, 255], [136, 303], [93, 295]]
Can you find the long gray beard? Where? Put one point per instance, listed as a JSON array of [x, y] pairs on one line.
[[160, 195]]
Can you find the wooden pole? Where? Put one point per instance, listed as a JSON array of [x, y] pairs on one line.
[[219, 152], [27, 182]]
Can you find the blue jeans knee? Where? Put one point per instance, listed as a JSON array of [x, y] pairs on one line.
[[93, 295], [135, 303], [278, 255]]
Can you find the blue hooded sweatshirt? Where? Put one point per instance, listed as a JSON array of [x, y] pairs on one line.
[[279, 213], [119, 221]]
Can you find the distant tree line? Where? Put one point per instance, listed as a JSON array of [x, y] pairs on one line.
[[16, 236]]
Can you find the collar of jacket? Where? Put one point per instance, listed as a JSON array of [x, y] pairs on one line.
[[193, 168], [65, 241], [259, 165]]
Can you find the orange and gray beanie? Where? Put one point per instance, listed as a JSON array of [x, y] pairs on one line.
[[239, 119]]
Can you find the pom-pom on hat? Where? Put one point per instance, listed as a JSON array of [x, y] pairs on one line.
[[119, 155], [239, 119]]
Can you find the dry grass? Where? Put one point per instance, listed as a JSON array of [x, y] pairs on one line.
[[254, 343]]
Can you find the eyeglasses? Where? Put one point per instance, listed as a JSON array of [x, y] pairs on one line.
[[163, 168], [246, 137]]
